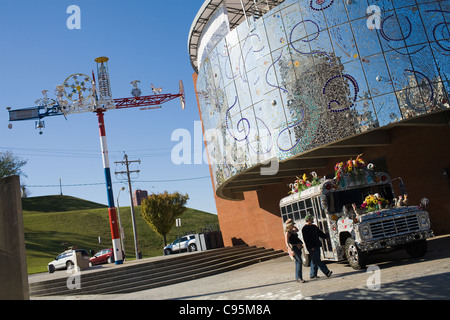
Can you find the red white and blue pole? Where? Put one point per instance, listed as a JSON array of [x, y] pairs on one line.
[[111, 208]]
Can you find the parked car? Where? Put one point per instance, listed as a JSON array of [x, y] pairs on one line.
[[185, 243], [102, 256], [66, 260]]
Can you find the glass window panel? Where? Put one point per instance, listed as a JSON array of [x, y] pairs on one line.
[[216, 71], [232, 37], [335, 14], [258, 40], [277, 37], [411, 102], [302, 205], [302, 214], [344, 43], [308, 203], [386, 108], [403, 3], [355, 12], [237, 127], [232, 105], [366, 40], [256, 83], [355, 70], [432, 15], [248, 58], [295, 206], [296, 216], [441, 58], [282, 65], [385, 5], [243, 93], [273, 112], [223, 53], [377, 75], [364, 115], [236, 62], [293, 23], [395, 28], [322, 49], [415, 30], [399, 65], [423, 61], [250, 127], [314, 15]]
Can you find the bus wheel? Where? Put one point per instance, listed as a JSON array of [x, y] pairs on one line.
[[356, 259], [306, 259], [416, 249]]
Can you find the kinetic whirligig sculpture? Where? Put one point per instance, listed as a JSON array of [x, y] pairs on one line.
[[83, 96]]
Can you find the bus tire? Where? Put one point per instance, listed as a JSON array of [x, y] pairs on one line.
[[355, 257], [416, 249]]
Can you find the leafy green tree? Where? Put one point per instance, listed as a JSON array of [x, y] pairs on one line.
[[10, 165], [161, 210]]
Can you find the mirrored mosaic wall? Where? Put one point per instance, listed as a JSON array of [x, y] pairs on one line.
[[312, 72]]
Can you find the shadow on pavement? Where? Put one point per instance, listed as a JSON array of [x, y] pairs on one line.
[[427, 288]]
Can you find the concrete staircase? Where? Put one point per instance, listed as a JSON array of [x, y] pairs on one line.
[[155, 272]]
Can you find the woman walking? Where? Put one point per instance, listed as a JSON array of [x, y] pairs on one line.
[[294, 246]]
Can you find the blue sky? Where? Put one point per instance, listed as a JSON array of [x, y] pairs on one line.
[[145, 40]]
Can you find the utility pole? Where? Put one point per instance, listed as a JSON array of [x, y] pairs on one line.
[[127, 162]]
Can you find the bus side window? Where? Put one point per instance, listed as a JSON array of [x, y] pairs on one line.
[[302, 209]]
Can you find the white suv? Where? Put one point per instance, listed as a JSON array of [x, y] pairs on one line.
[[185, 243], [66, 259]]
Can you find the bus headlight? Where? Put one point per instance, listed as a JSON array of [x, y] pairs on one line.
[[364, 231]]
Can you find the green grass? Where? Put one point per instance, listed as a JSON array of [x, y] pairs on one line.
[[80, 223]]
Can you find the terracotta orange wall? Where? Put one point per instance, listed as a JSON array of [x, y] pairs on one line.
[[255, 220]]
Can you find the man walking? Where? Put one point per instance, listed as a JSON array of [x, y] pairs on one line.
[[311, 234]]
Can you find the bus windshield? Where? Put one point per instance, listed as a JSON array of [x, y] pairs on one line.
[[336, 200]]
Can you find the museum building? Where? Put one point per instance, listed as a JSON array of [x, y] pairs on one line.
[[285, 88]]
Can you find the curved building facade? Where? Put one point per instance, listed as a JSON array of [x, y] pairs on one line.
[[297, 85]]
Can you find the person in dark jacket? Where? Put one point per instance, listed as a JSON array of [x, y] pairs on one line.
[[311, 234]]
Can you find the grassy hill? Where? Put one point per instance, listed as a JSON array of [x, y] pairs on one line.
[[49, 230], [58, 204]]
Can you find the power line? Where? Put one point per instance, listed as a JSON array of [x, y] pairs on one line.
[[102, 183]]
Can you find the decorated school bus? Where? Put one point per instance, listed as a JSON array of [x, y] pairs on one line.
[[360, 212]]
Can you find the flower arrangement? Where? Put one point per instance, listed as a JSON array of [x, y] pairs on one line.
[[349, 167], [374, 202], [304, 183]]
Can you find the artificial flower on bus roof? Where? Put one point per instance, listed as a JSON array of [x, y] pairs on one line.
[[349, 167], [304, 183]]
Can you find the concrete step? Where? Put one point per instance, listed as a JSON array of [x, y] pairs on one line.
[[156, 272], [137, 269]]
